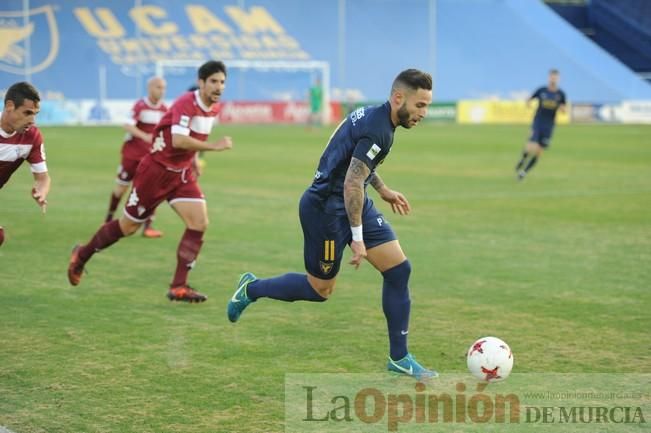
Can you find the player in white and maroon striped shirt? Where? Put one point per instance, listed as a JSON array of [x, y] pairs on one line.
[[20, 140], [166, 174], [145, 115]]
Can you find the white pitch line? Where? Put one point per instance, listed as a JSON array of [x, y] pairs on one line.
[[5, 430]]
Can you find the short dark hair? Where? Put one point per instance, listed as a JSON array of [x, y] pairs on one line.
[[211, 67], [554, 71], [412, 79], [18, 92]]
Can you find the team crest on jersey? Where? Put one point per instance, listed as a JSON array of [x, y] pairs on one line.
[[326, 267], [15, 36]]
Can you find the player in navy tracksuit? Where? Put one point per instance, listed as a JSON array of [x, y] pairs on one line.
[[550, 99], [335, 211]]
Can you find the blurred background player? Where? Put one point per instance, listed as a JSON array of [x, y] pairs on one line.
[[550, 99], [316, 103], [166, 174], [336, 211], [145, 114], [20, 140]]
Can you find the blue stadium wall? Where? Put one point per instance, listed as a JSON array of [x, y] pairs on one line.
[[474, 48]]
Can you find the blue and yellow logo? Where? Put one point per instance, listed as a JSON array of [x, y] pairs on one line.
[[18, 53]]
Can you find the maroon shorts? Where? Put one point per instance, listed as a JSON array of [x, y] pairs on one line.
[[154, 183], [126, 170]]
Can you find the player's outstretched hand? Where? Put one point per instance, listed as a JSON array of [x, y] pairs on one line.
[[359, 253], [398, 202], [40, 199], [223, 143]]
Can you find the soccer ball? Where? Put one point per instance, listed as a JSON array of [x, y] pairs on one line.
[[490, 359]]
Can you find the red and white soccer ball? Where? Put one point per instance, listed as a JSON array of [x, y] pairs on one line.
[[490, 359]]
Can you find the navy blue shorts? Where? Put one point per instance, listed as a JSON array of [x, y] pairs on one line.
[[542, 136], [326, 234]]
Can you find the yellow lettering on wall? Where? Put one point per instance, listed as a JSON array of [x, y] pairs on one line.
[[250, 42], [269, 41], [163, 44], [221, 42], [288, 42], [199, 41], [143, 17], [256, 20], [108, 27], [132, 45], [204, 21], [109, 46], [180, 43]]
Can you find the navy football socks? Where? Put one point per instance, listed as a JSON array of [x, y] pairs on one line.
[[288, 287], [521, 163], [396, 305], [532, 162]]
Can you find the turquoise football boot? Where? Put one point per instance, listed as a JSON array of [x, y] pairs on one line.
[[409, 366], [240, 300]]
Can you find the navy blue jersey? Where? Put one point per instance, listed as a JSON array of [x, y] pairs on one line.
[[548, 103], [366, 134]]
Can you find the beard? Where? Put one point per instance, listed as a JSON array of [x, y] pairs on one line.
[[403, 117]]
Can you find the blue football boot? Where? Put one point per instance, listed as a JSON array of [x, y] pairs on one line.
[[240, 300], [409, 366]]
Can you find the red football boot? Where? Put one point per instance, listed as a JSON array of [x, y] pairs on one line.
[[185, 293], [76, 266]]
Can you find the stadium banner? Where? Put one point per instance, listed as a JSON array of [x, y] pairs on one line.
[[272, 112], [625, 112], [584, 113], [634, 112], [442, 112], [606, 112], [437, 111], [84, 112], [116, 112], [512, 112], [64, 40], [81, 49]]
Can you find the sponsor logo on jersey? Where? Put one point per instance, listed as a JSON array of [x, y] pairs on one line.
[[356, 115], [373, 151]]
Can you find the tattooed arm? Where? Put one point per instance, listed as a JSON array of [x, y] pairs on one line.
[[398, 202], [377, 182], [354, 202], [354, 190]]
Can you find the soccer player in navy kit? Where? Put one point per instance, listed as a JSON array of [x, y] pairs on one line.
[[335, 211], [550, 100]]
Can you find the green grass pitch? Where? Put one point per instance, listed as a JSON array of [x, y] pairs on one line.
[[559, 266]]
